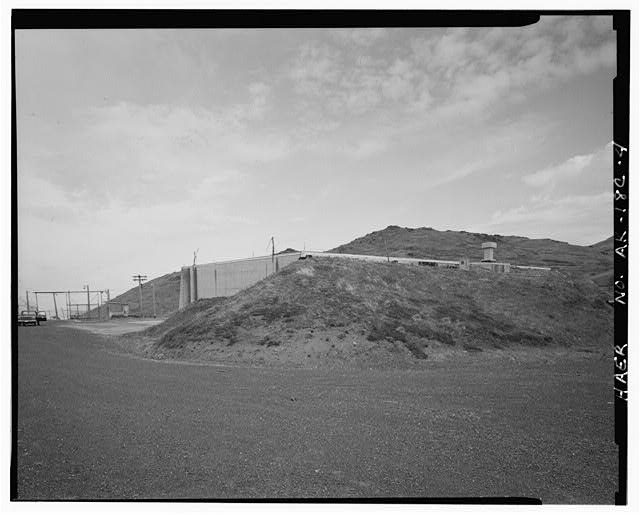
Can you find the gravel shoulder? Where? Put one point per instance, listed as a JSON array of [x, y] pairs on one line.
[[114, 327], [97, 424]]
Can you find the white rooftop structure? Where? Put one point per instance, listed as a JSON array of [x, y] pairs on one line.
[[488, 251]]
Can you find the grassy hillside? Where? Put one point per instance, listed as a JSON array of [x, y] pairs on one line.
[[321, 311], [167, 296], [605, 246], [595, 261], [603, 277]]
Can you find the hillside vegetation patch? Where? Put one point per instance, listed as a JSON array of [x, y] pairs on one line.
[[351, 312]]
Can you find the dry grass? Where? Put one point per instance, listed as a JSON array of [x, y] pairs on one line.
[[329, 310]]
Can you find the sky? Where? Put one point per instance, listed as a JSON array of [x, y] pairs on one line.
[[137, 148]]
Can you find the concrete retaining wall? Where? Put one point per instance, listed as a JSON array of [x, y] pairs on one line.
[[185, 287], [228, 277]]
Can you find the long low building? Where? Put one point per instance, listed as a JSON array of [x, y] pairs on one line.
[[226, 278]]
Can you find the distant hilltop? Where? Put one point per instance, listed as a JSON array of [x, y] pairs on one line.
[[593, 262]]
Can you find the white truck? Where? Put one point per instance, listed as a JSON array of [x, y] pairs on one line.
[[28, 317]]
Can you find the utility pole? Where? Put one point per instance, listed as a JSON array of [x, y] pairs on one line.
[[140, 278], [27, 300], [385, 247], [36, 293], [153, 289], [55, 305], [88, 301]]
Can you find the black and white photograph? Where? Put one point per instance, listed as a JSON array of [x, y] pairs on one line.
[[320, 256]]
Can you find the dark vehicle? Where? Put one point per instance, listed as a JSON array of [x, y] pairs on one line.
[[28, 318], [41, 316]]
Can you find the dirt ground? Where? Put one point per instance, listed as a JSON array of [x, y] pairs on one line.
[[97, 424]]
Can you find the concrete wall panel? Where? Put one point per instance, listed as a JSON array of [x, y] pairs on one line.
[[185, 287], [228, 278]]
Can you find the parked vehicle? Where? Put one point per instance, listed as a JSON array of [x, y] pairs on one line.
[[28, 318], [41, 316]]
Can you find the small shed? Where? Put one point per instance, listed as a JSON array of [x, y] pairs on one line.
[[118, 309]]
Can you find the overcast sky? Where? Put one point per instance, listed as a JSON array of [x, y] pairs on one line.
[[137, 147]]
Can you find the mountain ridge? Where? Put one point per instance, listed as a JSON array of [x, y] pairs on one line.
[[426, 242]]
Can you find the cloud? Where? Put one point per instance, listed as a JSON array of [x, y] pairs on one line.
[[216, 185], [144, 155], [453, 72], [263, 148], [569, 169], [315, 67], [204, 205], [356, 83], [57, 213], [579, 219], [42, 200], [572, 208], [451, 50], [398, 83], [490, 152], [252, 110], [486, 68], [365, 148]]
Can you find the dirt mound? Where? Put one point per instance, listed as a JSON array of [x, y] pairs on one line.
[[425, 242], [325, 311], [184, 315]]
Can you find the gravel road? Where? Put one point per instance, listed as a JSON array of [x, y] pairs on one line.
[[93, 424]]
